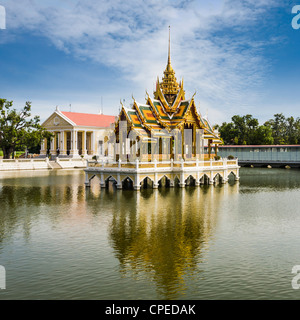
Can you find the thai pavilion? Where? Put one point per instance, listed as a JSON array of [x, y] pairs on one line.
[[163, 138]]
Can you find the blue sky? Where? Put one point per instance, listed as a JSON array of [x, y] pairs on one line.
[[238, 56]]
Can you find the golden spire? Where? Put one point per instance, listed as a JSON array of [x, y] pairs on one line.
[[169, 51], [169, 85]]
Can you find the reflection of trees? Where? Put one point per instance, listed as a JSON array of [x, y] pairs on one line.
[[165, 234], [23, 199], [270, 178], [161, 233]]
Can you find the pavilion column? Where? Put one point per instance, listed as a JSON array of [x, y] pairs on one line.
[[93, 143], [216, 149], [68, 146], [74, 149], [209, 149], [89, 146], [62, 142], [84, 151], [182, 145], [43, 150], [52, 145], [194, 152]]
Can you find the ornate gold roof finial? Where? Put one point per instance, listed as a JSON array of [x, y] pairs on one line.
[[169, 51], [169, 83]]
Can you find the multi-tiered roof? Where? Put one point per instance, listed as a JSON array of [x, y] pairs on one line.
[[167, 111]]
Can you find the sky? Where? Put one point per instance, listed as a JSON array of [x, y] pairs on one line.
[[240, 57]]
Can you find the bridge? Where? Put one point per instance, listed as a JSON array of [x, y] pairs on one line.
[[263, 155]]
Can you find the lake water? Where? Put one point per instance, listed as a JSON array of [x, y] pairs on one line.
[[59, 240]]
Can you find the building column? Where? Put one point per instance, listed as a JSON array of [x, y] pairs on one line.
[[182, 180], [74, 149], [102, 182], [237, 177], [52, 145], [84, 143], [93, 151], [66, 142], [211, 178], [87, 181], [119, 182], [209, 148], [43, 150], [197, 183], [137, 182], [62, 143], [216, 149], [155, 182], [57, 143], [225, 172]]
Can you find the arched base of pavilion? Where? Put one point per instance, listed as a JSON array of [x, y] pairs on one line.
[[136, 178]]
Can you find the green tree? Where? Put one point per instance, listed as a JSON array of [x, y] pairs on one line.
[[245, 130], [242, 130], [227, 132], [17, 129], [279, 128], [291, 131], [297, 130], [263, 136]]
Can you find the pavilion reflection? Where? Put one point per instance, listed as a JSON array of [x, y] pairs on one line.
[[158, 234], [163, 234]]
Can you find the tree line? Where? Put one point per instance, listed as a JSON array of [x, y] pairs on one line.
[[246, 130]]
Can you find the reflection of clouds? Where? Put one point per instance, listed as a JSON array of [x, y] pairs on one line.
[[164, 233]]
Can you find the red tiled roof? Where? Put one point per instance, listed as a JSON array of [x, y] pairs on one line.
[[89, 119]]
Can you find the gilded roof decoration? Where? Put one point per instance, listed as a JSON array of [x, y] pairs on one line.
[[168, 110]]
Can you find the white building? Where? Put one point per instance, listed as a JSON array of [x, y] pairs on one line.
[[77, 134]]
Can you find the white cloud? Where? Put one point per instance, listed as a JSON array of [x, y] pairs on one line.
[[226, 69]]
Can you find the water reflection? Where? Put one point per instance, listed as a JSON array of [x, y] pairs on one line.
[[59, 240], [158, 235], [164, 234], [24, 198], [256, 179]]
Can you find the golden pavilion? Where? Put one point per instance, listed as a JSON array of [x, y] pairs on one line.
[[164, 138], [165, 116]]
